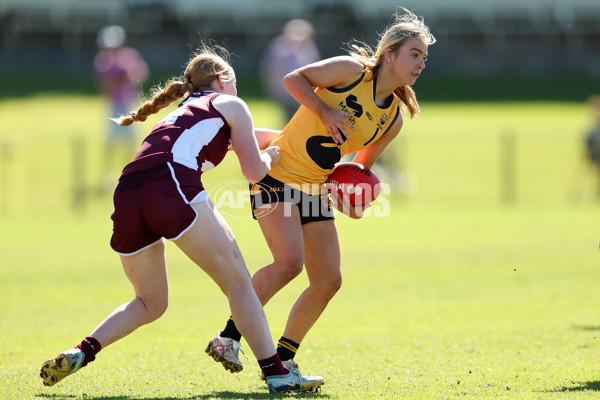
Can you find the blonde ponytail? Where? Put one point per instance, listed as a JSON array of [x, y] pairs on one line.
[[203, 68], [161, 99]]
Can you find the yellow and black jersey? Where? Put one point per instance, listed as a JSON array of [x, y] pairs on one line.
[[308, 152]]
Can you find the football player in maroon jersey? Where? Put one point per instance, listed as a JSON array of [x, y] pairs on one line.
[[160, 195]]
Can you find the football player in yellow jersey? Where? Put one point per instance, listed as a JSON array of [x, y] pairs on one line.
[[348, 104]]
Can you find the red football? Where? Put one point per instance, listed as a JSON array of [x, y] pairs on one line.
[[353, 180]]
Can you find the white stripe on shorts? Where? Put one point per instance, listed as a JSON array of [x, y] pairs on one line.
[[202, 196]]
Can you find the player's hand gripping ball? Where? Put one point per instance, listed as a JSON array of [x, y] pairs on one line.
[[354, 182]]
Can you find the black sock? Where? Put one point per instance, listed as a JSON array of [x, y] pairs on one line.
[[287, 348], [231, 331], [90, 348]]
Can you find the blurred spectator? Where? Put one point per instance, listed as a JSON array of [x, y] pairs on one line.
[[292, 49], [120, 72], [592, 140]]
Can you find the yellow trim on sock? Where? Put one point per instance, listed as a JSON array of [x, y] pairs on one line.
[[288, 346]]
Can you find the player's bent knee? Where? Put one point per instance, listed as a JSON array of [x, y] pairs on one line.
[[291, 267], [334, 287], [157, 313], [328, 287], [236, 284], [155, 309]]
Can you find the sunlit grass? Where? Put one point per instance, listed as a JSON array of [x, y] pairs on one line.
[[447, 293]]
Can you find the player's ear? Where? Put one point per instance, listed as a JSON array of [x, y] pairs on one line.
[[219, 81], [387, 53]]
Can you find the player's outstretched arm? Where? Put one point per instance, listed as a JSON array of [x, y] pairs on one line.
[[370, 154], [265, 136], [255, 165], [332, 72]]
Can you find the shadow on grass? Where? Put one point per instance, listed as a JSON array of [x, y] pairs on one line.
[[592, 386], [587, 327], [214, 395]]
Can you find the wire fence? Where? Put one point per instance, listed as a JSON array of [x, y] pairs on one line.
[[67, 177]]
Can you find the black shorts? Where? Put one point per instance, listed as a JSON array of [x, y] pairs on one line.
[[273, 192]]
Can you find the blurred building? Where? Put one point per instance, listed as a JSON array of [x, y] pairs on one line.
[[474, 36]]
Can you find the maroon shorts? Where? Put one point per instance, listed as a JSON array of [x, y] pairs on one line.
[[153, 204]]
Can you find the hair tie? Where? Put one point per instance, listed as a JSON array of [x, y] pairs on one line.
[[376, 55], [188, 79]]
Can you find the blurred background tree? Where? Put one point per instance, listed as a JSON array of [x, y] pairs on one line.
[[492, 52], [537, 41]]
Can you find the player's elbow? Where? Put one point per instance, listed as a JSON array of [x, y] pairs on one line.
[[254, 175], [293, 79], [253, 178], [288, 79]]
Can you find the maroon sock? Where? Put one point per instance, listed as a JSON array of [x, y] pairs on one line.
[[272, 366], [90, 348]]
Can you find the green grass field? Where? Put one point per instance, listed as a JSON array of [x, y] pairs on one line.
[[454, 294]]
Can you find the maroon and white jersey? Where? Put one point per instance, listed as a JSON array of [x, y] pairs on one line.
[[195, 135]]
